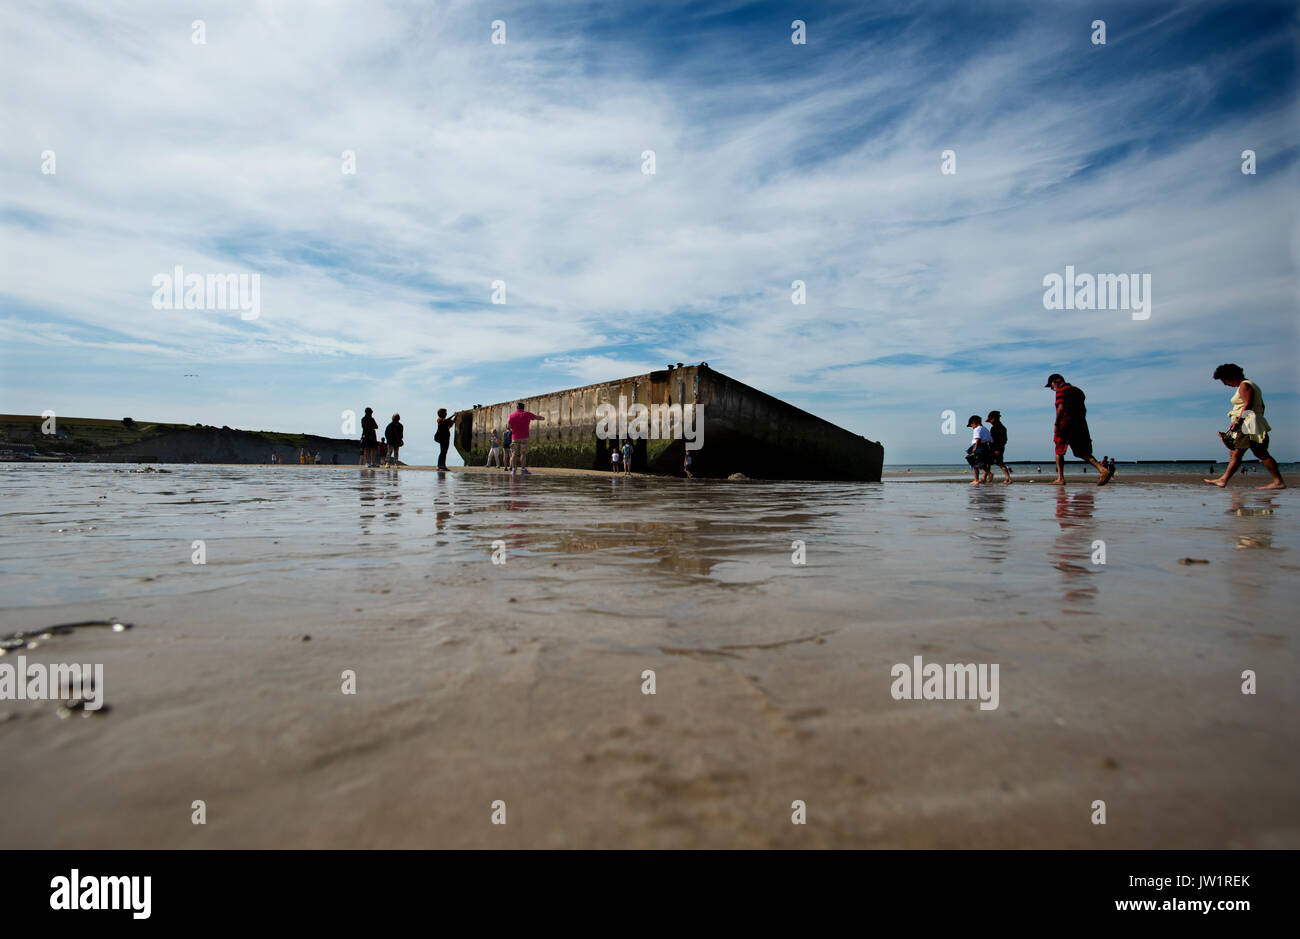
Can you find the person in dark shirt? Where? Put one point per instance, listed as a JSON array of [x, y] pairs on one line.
[[393, 434], [442, 436], [369, 440], [1071, 429], [999, 432]]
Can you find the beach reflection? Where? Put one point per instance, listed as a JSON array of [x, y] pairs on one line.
[[1073, 549], [1252, 527], [871, 550], [368, 492], [989, 508]]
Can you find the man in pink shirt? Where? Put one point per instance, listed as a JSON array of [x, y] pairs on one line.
[[519, 422]]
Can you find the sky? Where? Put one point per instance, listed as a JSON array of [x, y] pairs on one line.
[[522, 162]]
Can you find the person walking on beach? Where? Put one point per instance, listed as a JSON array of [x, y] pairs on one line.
[[980, 451], [998, 431], [614, 456], [394, 434], [442, 436], [1248, 430], [1071, 429], [519, 422], [369, 442], [505, 442], [627, 458], [686, 465], [494, 449]]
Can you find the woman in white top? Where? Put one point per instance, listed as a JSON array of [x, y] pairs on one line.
[[980, 452], [1248, 430], [494, 449]]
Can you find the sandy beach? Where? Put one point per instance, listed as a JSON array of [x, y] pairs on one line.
[[522, 681]]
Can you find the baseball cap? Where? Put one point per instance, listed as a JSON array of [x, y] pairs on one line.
[[1053, 377]]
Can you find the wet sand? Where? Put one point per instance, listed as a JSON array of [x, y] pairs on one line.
[[1191, 480], [522, 681]]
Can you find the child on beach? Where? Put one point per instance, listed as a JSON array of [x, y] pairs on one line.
[[627, 458], [505, 442], [614, 456], [494, 449], [980, 452], [686, 465]]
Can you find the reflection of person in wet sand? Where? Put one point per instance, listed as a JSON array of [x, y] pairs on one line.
[[1074, 546], [1248, 430], [1071, 429]]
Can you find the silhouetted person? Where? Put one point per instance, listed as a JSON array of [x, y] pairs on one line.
[[393, 433], [442, 436], [998, 431], [369, 440]]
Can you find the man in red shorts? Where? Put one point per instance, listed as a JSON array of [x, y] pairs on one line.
[[1071, 429]]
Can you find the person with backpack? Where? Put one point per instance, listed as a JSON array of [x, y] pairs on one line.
[[980, 451], [442, 436], [393, 434], [505, 442]]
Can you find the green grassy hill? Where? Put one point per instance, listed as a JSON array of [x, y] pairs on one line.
[[89, 438]]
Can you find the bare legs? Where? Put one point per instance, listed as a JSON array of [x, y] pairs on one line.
[[1234, 463], [1103, 474]]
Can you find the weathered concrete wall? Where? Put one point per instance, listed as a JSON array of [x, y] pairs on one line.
[[745, 431]]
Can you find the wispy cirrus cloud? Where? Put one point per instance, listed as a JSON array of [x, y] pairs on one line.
[[775, 162]]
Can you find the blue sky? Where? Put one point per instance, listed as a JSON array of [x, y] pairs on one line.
[[521, 162]]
